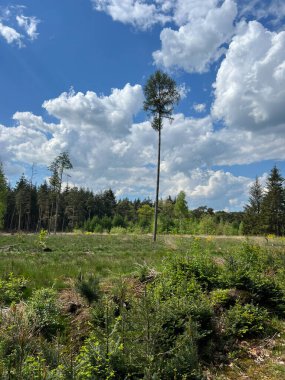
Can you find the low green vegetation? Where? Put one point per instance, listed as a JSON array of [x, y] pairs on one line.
[[120, 307], [67, 256]]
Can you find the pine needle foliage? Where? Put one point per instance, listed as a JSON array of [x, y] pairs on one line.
[[161, 94]]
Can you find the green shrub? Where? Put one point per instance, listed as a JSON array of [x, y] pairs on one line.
[[17, 340], [206, 272], [93, 361], [144, 337], [207, 225], [87, 226], [202, 269], [106, 223], [34, 368], [98, 229], [161, 338], [44, 312], [220, 297], [179, 358], [118, 221], [94, 222], [118, 230], [42, 239], [144, 273], [170, 321], [12, 288], [250, 270], [89, 287], [246, 321], [266, 292]]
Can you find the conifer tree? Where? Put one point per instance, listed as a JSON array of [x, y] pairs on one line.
[[9, 219], [166, 215], [161, 94], [252, 211], [23, 202], [273, 204], [3, 196], [109, 203], [43, 201], [57, 167], [125, 208]]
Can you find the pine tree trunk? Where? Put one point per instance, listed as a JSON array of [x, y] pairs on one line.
[[40, 218], [157, 186], [57, 199], [62, 224], [56, 213], [12, 220], [50, 218], [19, 219]]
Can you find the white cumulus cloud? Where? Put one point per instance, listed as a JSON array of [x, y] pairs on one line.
[[139, 13], [108, 149], [199, 42], [272, 10], [250, 84], [185, 11], [89, 111], [217, 189]]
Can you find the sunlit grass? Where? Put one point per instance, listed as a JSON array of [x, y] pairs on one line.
[[114, 257], [107, 256]]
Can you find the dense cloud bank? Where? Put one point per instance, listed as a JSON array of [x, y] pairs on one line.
[[245, 124]]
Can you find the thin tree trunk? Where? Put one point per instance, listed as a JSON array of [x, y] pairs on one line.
[[56, 213], [19, 219], [12, 220], [57, 199], [40, 218], [157, 186], [50, 217], [62, 225]]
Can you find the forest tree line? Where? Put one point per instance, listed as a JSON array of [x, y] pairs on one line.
[[30, 208]]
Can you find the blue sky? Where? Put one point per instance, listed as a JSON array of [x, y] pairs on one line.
[[72, 75]]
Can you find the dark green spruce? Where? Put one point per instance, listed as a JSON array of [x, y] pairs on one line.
[[273, 204]]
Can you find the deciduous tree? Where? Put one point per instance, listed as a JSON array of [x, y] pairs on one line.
[[181, 209]]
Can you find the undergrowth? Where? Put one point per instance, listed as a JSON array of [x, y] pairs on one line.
[[170, 321]]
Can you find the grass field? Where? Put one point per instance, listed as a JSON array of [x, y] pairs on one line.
[[57, 260], [109, 256]]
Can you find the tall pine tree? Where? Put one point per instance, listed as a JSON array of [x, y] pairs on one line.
[[161, 93], [57, 168], [252, 211], [273, 204], [23, 203]]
